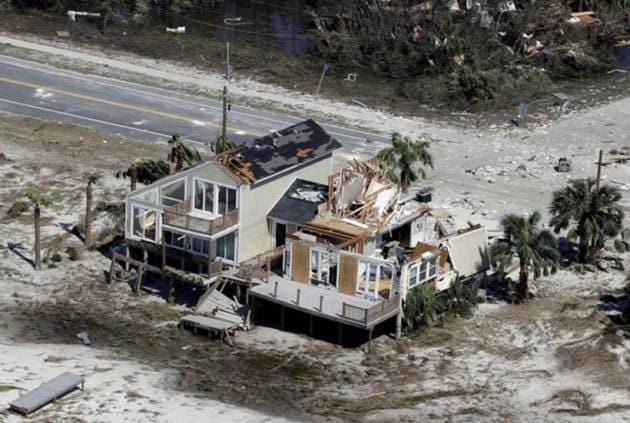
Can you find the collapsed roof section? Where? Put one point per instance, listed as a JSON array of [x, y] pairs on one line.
[[300, 203], [360, 192], [274, 154]]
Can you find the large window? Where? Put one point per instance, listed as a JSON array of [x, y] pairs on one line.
[[187, 242], [226, 246], [227, 200], [214, 198], [374, 279], [423, 271], [144, 223], [173, 193], [204, 196]]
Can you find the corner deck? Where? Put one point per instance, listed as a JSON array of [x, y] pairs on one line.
[[326, 304]]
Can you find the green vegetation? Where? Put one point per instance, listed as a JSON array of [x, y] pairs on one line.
[[425, 307], [591, 214], [182, 153], [534, 248], [399, 161]]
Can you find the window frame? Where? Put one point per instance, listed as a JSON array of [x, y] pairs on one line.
[[215, 196], [176, 200]]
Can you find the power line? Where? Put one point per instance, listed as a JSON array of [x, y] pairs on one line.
[[227, 28]]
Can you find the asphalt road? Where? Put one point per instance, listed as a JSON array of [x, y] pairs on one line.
[[142, 112]]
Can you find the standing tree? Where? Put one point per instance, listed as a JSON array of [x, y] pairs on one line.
[[535, 249], [591, 214], [145, 171], [399, 162], [91, 180], [38, 201], [182, 153]]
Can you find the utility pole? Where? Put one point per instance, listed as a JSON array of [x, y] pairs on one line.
[[599, 168], [223, 139], [321, 79], [228, 72]]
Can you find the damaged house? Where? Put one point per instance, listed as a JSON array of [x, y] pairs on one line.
[[358, 245], [214, 214]]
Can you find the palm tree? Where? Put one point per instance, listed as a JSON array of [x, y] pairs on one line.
[[535, 249], [591, 214], [38, 201], [182, 153], [91, 180], [399, 161], [423, 306], [145, 171]]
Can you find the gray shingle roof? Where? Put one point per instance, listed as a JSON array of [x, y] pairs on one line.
[[299, 203], [297, 144]]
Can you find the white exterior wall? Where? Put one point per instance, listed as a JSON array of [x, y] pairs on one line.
[[257, 201]]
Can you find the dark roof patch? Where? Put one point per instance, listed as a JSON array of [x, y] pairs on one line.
[[298, 205], [292, 146]]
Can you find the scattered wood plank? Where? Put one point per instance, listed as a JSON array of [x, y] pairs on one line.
[[47, 393]]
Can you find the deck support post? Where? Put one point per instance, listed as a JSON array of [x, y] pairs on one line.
[[321, 303], [139, 279], [399, 318], [370, 340], [297, 299], [310, 325], [111, 269], [340, 334], [127, 254], [281, 317], [163, 253], [171, 290]]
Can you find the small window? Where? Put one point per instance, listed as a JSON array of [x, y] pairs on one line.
[[433, 267], [226, 246], [413, 276], [204, 196], [174, 193]]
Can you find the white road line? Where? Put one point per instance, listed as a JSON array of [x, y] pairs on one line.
[[89, 119]]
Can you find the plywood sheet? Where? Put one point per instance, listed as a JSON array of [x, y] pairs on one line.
[[300, 264], [348, 270]]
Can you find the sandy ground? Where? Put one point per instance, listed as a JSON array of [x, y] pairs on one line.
[[549, 360]]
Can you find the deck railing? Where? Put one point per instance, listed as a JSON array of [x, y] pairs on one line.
[[368, 315], [179, 216]]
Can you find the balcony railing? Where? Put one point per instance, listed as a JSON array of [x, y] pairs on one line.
[[180, 216], [369, 315]]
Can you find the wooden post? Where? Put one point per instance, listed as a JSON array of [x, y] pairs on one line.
[[282, 317], [111, 268], [249, 288], [297, 300], [399, 318], [370, 340], [171, 290], [310, 325], [163, 253], [268, 268], [340, 334], [139, 278], [599, 168], [321, 303], [275, 290], [127, 254]]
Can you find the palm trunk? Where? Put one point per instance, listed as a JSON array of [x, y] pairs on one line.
[[583, 250], [88, 215], [522, 290], [38, 242], [133, 176], [179, 158]]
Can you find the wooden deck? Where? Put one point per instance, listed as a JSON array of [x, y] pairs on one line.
[[327, 304]]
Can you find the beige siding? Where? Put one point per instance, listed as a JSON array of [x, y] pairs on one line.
[[255, 234], [211, 172]]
